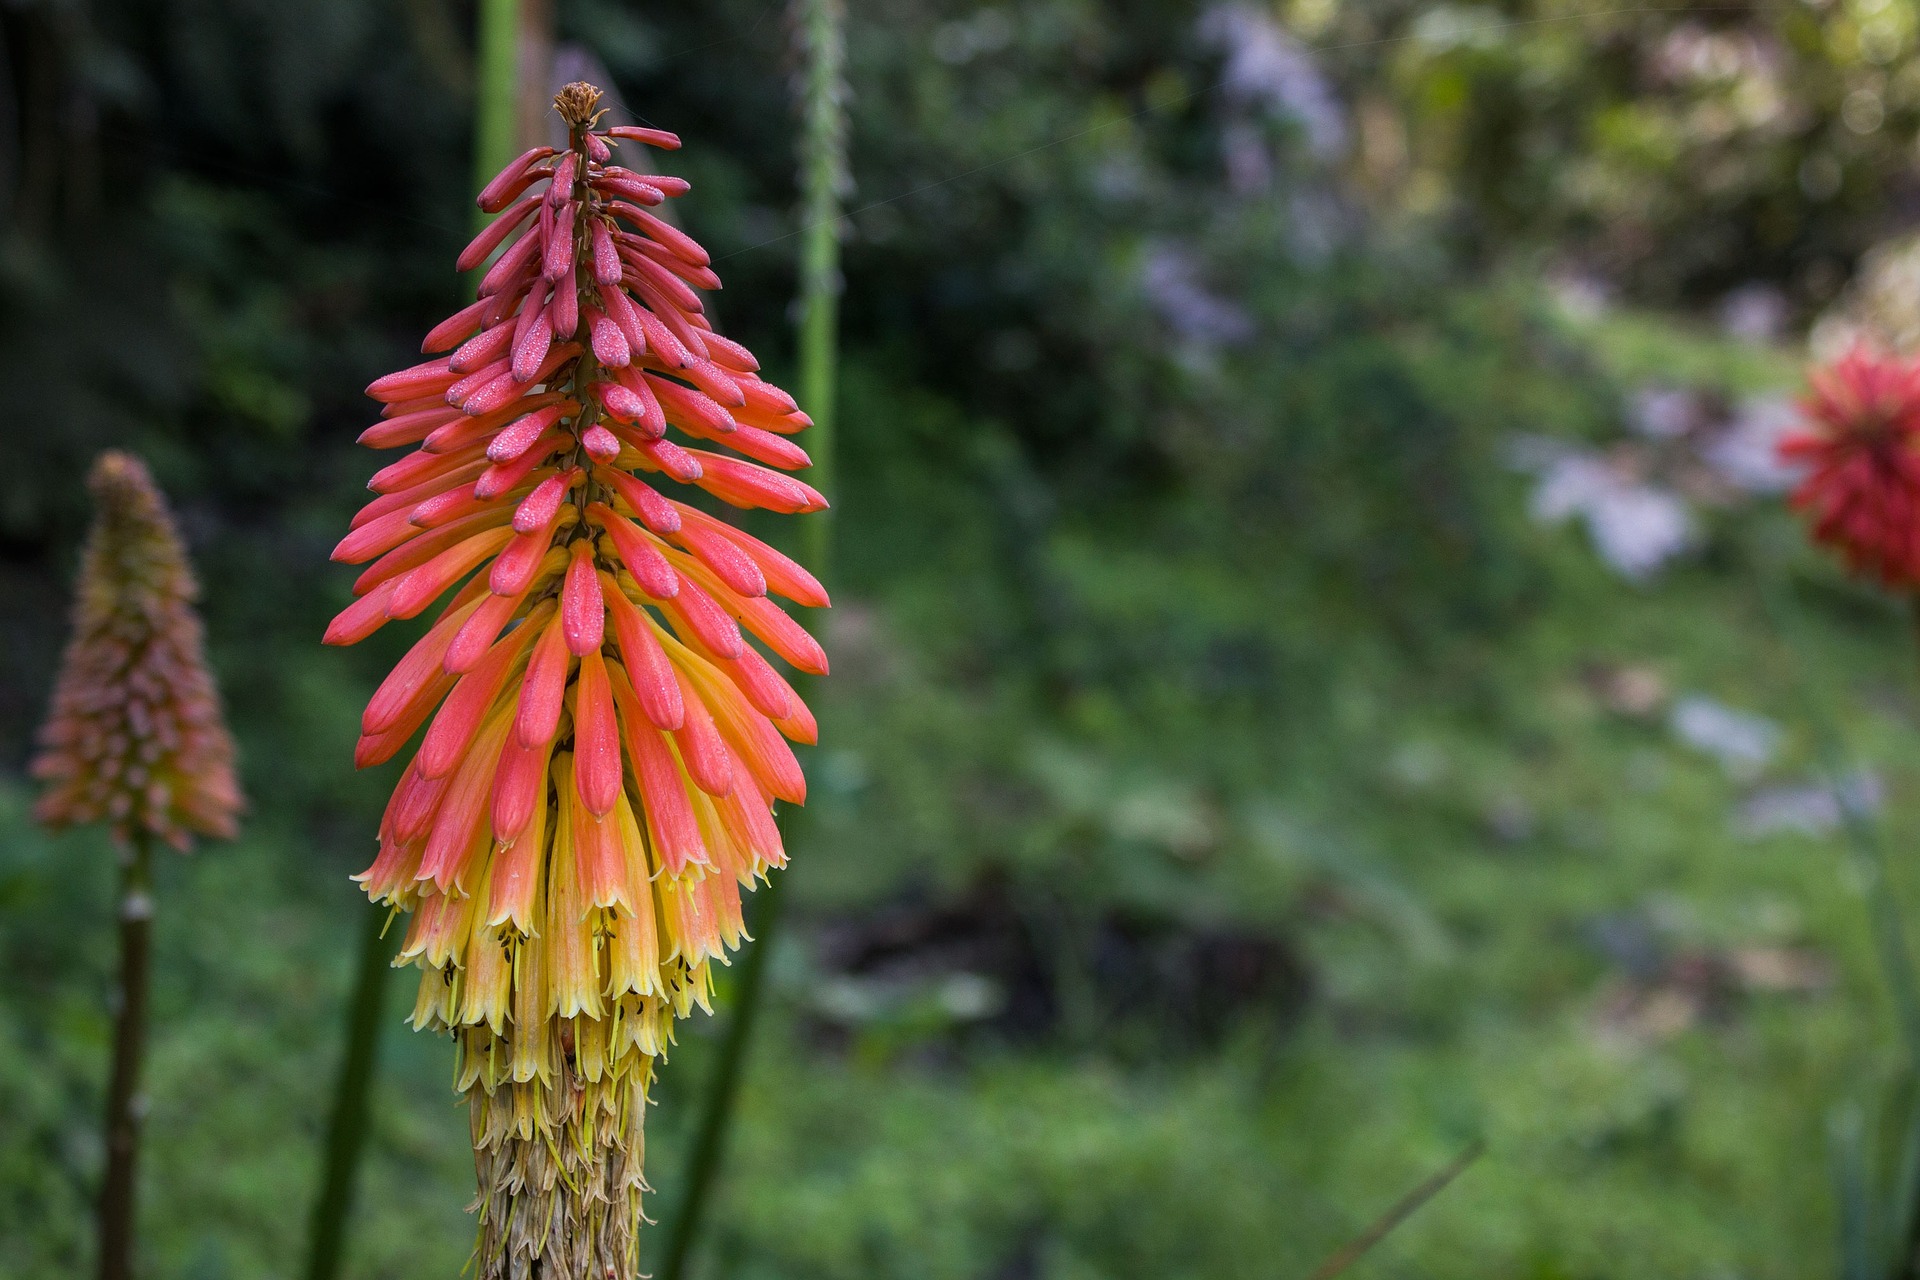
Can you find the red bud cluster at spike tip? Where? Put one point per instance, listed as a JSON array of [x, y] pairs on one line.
[[604, 739], [1861, 450], [135, 737]]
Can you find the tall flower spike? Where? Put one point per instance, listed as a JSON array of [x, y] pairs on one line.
[[1861, 450], [135, 736], [135, 739], [596, 780]]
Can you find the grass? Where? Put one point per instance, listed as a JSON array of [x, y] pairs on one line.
[[1525, 914]]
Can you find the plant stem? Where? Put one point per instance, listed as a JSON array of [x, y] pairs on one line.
[[716, 1106], [126, 1105], [496, 92], [1402, 1209], [1906, 1256], [824, 183], [347, 1126], [821, 86], [1864, 840], [1845, 1138]]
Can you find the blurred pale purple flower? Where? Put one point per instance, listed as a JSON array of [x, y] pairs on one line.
[[1635, 526], [1754, 313], [1201, 318], [1663, 413], [1814, 809], [1747, 453], [1742, 742], [1266, 68]]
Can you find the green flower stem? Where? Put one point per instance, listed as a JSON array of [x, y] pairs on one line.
[[496, 92], [126, 1105], [1864, 841], [717, 1104], [819, 30], [347, 1127]]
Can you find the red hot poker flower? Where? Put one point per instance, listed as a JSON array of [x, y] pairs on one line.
[[134, 739], [135, 736], [604, 738], [1862, 452]]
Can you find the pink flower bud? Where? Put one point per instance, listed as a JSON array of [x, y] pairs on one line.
[[655, 512], [632, 189], [654, 685], [667, 329], [493, 196], [460, 392], [482, 349], [582, 613], [425, 379], [606, 258], [728, 562], [510, 264], [784, 576], [543, 504], [596, 748], [562, 189], [518, 564], [764, 446], [622, 403], [566, 305], [638, 552], [450, 331], [770, 695], [609, 344], [668, 457], [622, 312], [482, 246], [503, 477], [559, 247], [651, 137], [741, 484], [672, 238], [661, 281], [690, 410], [703, 750], [530, 348], [519, 435], [543, 691], [600, 443], [719, 388], [728, 354], [407, 428], [712, 627]]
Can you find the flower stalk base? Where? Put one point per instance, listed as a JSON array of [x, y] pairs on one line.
[[126, 1106]]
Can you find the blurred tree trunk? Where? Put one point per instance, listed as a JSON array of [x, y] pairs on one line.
[[9, 123], [57, 140], [39, 127], [537, 123]]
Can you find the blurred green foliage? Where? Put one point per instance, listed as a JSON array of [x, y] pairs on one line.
[[1219, 821]]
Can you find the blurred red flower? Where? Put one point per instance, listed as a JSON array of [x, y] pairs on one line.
[[1861, 450]]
